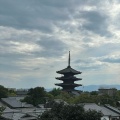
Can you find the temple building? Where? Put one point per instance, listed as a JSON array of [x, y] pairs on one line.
[[68, 78]]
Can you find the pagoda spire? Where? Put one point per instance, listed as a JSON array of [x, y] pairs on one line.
[[69, 60]]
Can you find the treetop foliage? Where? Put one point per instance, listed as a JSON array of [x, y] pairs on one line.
[[55, 91], [36, 96], [70, 112], [3, 92]]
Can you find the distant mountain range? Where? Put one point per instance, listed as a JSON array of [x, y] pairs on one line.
[[94, 87]]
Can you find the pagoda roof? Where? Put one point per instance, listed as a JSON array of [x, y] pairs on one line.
[[63, 84], [69, 70], [70, 78]]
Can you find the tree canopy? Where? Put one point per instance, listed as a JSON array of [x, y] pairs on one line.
[[36, 96], [3, 92], [70, 112], [55, 91]]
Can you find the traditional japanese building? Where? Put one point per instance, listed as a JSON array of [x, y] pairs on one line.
[[68, 78]]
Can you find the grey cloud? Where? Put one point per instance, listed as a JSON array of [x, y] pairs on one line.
[[96, 22], [54, 3], [87, 39], [37, 68], [10, 62], [13, 56], [88, 64], [52, 47], [8, 67], [41, 15], [26, 23], [111, 60], [102, 49], [30, 15], [91, 68], [84, 61]]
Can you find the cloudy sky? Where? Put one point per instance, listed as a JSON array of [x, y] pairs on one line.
[[37, 35]]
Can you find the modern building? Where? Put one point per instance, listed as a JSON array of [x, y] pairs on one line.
[[68, 78], [108, 91]]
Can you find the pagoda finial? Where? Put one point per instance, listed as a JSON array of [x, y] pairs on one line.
[[69, 59]]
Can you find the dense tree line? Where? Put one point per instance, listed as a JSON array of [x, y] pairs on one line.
[[38, 95], [87, 97]]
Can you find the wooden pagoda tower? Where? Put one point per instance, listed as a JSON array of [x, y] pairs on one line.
[[68, 78]]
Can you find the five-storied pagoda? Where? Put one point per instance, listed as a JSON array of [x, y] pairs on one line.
[[68, 78]]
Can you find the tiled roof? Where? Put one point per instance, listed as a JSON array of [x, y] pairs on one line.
[[12, 115], [15, 103], [65, 84], [69, 77], [22, 113], [104, 110], [69, 70]]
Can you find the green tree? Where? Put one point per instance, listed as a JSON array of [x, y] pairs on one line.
[[36, 96], [106, 99], [70, 112], [86, 98], [94, 93], [55, 91], [11, 92], [65, 96], [3, 92], [93, 115]]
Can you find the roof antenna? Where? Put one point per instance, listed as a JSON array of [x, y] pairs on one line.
[[69, 60]]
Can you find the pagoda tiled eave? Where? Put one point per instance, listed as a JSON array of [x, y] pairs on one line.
[[68, 78], [63, 84], [69, 70]]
